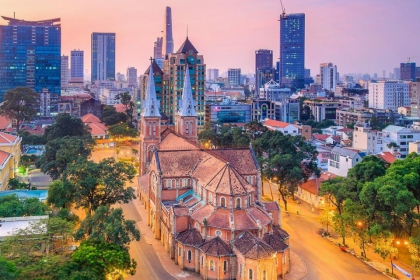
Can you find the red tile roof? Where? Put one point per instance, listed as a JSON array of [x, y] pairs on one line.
[[3, 157], [240, 159], [190, 237], [97, 129], [90, 118], [216, 247], [252, 247], [228, 181], [7, 138], [274, 123], [345, 130], [321, 137], [387, 157], [120, 108], [5, 122]]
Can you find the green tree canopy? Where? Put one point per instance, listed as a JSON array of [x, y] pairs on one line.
[[8, 269], [126, 100], [12, 206], [30, 139], [367, 170], [66, 125], [99, 184], [122, 130], [21, 104], [108, 225], [61, 152], [110, 116]]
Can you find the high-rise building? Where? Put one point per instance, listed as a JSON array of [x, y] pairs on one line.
[[408, 71], [388, 95], [329, 76], [30, 55], [168, 41], [174, 68], [157, 48], [103, 57], [132, 76], [397, 73], [234, 77], [77, 66], [212, 74], [414, 92], [264, 70], [64, 70], [292, 50]]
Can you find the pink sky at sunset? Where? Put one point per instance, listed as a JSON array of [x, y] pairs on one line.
[[358, 35]]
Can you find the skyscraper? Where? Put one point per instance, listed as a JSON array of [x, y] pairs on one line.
[[292, 50], [30, 55], [64, 70], [132, 76], [264, 70], [234, 77], [212, 74], [157, 48], [77, 64], [168, 41], [103, 57], [408, 71], [328, 73], [174, 68]]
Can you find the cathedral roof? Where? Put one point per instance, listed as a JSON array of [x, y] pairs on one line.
[[228, 181], [150, 105], [242, 159], [190, 237], [173, 142], [216, 247], [275, 242], [187, 46], [187, 102], [252, 247]]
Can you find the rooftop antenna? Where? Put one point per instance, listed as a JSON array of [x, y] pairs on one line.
[[14, 14], [409, 58], [187, 30]]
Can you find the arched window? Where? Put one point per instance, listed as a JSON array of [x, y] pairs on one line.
[[211, 265], [169, 184], [189, 255], [218, 233], [250, 274], [196, 225], [223, 202], [249, 200], [225, 266], [210, 198], [238, 203], [240, 270], [264, 275]]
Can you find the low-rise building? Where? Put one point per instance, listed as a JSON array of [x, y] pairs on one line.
[[396, 139], [10, 153], [262, 109], [414, 147], [342, 159], [309, 191], [350, 116], [98, 130], [367, 140], [228, 112], [323, 108], [283, 127]]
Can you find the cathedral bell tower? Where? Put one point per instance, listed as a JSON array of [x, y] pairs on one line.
[[186, 117], [150, 127]]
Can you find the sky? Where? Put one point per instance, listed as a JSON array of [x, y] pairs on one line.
[[358, 35]]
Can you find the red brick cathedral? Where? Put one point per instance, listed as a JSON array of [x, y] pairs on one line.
[[205, 205]]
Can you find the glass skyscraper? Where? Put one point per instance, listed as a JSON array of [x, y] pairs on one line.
[[30, 55], [292, 50], [103, 57]]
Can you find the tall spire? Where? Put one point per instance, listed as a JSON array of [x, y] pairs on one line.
[[168, 41], [151, 104], [187, 106]]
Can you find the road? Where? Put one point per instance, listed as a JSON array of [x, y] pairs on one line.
[[148, 263], [323, 259]]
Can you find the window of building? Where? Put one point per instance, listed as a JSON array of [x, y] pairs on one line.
[[223, 202], [250, 274], [211, 198], [238, 203], [179, 251], [225, 266], [196, 225], [403, 143], [169, 184], [240, 270], [264, 275], [202, 261], [189, 255], [218, 233], [249, 200], [211, 265]]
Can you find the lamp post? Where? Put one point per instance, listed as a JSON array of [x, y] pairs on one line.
[[328, 219]]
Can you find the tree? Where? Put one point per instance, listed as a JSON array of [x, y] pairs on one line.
[[255, 129], [337, 191], [8, 269], [20, 104], [414, 249], [108, 261], [357, 223], [110, 116], [66, 125], [14, 184], [367, 170], [61, 152], [99, 184], [384, 244], [125, 99], [12, 206], [29, 139], [59, 195], [122, 130], [108, 225], [287, 160]]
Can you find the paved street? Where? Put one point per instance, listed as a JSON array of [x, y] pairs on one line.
[[323, 259]]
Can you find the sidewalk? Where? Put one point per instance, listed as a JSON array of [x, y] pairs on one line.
[[167, 262], [376, 261]]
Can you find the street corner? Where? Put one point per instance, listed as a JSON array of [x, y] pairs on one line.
[[298, 269]]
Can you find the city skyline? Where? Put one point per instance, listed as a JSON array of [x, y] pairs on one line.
[[357, 36]]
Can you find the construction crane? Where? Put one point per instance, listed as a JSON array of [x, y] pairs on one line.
[[282, 8], [409, 58]]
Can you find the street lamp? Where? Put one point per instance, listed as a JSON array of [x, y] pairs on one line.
[[328, 219]]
